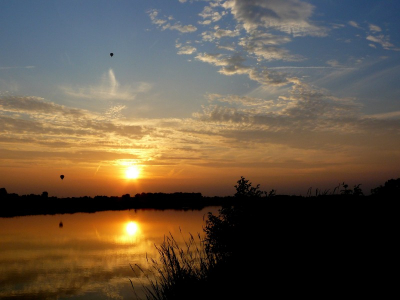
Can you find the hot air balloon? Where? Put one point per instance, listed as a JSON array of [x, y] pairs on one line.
[[62, 177], [111, 54]]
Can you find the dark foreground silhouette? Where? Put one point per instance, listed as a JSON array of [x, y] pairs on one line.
[[320, 248]]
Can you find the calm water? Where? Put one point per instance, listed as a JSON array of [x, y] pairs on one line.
[[89, 256]]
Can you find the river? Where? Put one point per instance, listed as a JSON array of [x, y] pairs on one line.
[[87, 256]]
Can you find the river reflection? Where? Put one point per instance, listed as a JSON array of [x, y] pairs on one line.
[[89, 256]]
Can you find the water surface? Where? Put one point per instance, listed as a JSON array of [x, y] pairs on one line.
[[88, 256]]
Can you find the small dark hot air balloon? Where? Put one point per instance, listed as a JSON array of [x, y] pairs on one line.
[[62, 177], [111, 54]]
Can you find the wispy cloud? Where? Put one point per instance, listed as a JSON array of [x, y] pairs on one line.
[[210, 14], [306, 112], [109, 89], [382, 40], [373, 34], [332, 65], [303, 121], [25, 116], [185, 49], [267, 47], [354, 24], [389, 115], [167, 24], [292, 16], [234, 65], [374, 28], [25, 67], [257, 35], [218, 33]]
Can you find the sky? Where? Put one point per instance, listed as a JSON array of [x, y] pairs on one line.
[[290, 94]]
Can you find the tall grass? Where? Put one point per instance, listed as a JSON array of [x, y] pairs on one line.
[[181, 271], [219, 266]]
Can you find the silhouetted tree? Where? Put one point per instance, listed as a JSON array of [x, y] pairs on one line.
[[346, 190], [45, 194], [357, 191], [224, 232], [244, 189], [3, 192], [271, 193], [390, 189], [229, 237]]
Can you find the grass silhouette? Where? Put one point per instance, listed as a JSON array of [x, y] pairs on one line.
[[181, 271], [259, 246], [213, 266]]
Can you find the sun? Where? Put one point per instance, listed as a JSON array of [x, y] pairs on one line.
[[132, 228], [132, 172]]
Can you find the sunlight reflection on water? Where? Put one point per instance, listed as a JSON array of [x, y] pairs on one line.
[[89, 256]]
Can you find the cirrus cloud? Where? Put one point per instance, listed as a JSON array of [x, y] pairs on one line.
[[109, 89], [292, 16]]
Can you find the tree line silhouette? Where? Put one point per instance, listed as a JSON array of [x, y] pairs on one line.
[[15, 205]]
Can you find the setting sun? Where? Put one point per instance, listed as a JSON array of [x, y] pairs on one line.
[[132, 228], [132, 172]]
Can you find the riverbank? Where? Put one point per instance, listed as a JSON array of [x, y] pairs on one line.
[[12, 205]]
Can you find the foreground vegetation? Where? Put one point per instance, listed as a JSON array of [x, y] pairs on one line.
[[256, 248]]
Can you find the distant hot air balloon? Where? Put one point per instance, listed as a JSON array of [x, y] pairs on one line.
[[111, 54], [62, 177]]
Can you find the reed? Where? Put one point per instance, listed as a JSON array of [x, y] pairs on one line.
[[181, 271], [217, 266]]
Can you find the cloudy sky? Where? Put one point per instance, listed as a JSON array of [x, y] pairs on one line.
[[290, 94]]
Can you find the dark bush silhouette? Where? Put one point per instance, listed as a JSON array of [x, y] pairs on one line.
[[257, 248], [346, 190], [224, 267], [357, 191], [391, 189], [3, 192], [244, 189]]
